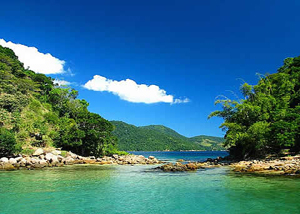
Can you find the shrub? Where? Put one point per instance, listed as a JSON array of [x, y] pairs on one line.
[[28, 151], [7, 143]]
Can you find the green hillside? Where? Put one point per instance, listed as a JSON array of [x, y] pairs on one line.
[[34, 112], [209, 142], [159, 138]]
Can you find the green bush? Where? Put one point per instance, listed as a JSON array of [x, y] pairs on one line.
[[7, 143], [27, 151]]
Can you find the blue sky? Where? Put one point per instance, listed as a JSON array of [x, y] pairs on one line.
[[193, 50]]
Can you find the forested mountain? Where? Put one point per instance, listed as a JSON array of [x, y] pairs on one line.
[[34, 112], [267, 119], [159, 138]]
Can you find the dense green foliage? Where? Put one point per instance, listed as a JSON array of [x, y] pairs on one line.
[[8, 144], [159, 138], [267, 120], [38, 113]]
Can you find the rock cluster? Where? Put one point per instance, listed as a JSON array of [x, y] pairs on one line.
[[42, 158], [190, 166], [283, 166]]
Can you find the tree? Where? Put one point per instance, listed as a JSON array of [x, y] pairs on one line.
[[267, 120]]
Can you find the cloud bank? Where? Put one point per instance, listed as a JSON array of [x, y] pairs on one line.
[[35, 60], [130, 91]]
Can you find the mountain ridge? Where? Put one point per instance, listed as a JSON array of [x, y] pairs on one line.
[[160, 138]]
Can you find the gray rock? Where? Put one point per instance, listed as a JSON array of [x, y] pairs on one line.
[[4, 160], [34, 160], [7, 166], [56, 152], [60, 158], [23, 162], [38, 152], [69, 160], [12, 161], [49, 156], [74, 156], [18, 159], [44, 162]]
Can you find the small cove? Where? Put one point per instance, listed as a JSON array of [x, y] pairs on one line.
[[139, 189]]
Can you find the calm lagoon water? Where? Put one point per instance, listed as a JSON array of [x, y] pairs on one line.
[[140, 189]]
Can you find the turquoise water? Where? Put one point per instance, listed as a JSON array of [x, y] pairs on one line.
[[140, 189], [192, 156]]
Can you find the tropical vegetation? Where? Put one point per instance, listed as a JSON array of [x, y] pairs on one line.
[[267, 119], [35, 112]]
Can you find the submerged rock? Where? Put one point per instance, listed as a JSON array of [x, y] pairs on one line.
[[178, 167], [7, 166]]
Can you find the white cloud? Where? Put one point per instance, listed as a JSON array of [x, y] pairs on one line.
[[185, 100], [35, 60], [130, 91], [61, 82]]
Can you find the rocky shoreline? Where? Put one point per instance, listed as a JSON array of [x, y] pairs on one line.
[[41, 158], [289, 165], [53, 158]]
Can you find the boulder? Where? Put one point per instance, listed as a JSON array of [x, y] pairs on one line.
[[74, 156], [8, 166], [151, 157], [38, 152], [23, 162], [51, 158], [178, 164], [4, 160], [60, 158], [116, 156], [56, 152], [167, 167], [39, 165], [18, 159], [69, 160], [89, 161], [191, 166], [180, 160], [28, 160], [43, 162], [12, 161], [34, 160]]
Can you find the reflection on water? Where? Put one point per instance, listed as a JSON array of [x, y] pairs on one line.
[[140, 189]]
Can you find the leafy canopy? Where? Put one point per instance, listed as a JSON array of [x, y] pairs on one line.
[[35, 112], [267, 120]]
